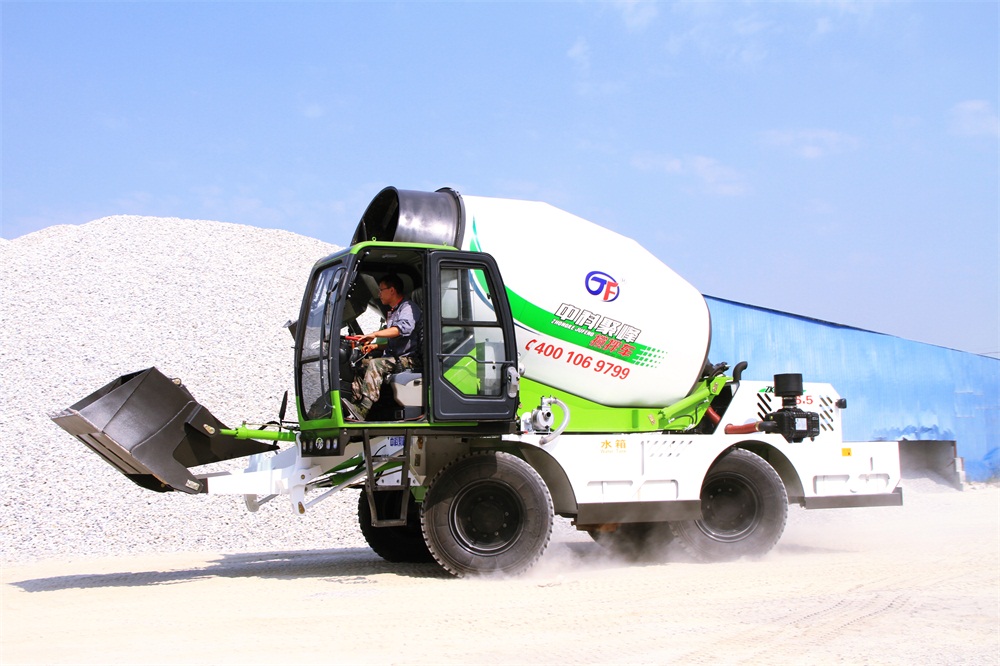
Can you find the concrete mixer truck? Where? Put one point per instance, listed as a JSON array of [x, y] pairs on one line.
[[562, 371]]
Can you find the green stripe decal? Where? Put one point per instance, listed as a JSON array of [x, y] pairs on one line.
[[539, 320]]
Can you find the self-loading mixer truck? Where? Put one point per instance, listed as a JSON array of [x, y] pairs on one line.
[[563, 371]]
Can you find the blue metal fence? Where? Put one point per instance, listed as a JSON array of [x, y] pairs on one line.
[[895, 388]]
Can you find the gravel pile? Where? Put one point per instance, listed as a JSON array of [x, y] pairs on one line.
[[203, 301]]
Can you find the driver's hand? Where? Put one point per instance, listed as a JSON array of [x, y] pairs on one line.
[[369, 348]]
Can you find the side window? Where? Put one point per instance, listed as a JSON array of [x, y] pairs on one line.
[[472, 340], [316, 339]]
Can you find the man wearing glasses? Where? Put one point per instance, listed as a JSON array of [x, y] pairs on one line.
[[400, 352]]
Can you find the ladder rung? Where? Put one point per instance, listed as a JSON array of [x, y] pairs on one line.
[[380, 488]]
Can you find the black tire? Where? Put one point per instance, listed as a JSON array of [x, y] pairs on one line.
[[487, 513], [393, 544], [744, 507], [636, 540]]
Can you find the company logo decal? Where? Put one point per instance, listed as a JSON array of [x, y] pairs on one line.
[[608, 334], [584, 328], [601, 284]]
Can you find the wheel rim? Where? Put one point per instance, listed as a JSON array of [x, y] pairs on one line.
[[730, 506], [486, 517]]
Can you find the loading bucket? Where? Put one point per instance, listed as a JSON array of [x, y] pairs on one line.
[[151, 429]]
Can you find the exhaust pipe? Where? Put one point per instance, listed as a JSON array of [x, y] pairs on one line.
[[151, 429]]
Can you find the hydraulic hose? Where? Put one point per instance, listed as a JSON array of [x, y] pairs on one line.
[[562, 426], [745, 429], [713, 416]]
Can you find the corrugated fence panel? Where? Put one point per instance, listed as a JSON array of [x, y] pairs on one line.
[[895, 388]]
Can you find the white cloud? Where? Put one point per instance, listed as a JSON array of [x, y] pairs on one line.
[[637, 14], [750, 26], [860, 12], [579, 53], [114, 122], [811, 144], [711, 31], [906, 123], [313, 111], [823, 25], [974, 118], [752, 54], [650, 162], [715, 178], [718, 178]]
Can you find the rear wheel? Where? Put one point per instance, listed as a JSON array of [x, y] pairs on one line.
[[744, 507], [393, 544], [488, 512]]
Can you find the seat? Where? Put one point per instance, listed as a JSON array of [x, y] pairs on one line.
[[408, 392]]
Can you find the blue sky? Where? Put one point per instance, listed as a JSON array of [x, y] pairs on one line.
[[832, 159]]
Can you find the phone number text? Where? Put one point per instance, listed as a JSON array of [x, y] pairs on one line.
[[575, 358]]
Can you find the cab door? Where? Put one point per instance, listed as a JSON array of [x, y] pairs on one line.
[[471, 345]]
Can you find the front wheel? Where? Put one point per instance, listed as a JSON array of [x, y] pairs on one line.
[[489, 512], [743, 506], [398, 543]]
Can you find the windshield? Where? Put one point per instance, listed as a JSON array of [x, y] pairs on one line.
[[315, 370]]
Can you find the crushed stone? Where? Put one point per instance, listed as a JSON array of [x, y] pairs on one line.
[[202, 301]]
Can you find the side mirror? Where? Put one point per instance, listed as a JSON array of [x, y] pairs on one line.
[[283, 408]]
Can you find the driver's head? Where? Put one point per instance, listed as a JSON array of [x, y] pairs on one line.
[[390, 290]]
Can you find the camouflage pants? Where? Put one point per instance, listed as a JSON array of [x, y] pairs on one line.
[[368, 386]]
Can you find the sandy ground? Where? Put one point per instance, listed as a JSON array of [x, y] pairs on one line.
[[918, 584]]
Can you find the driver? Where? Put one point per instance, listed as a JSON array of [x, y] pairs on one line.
[[400, 353]]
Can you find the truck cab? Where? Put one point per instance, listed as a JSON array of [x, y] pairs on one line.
[[466, 374]]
